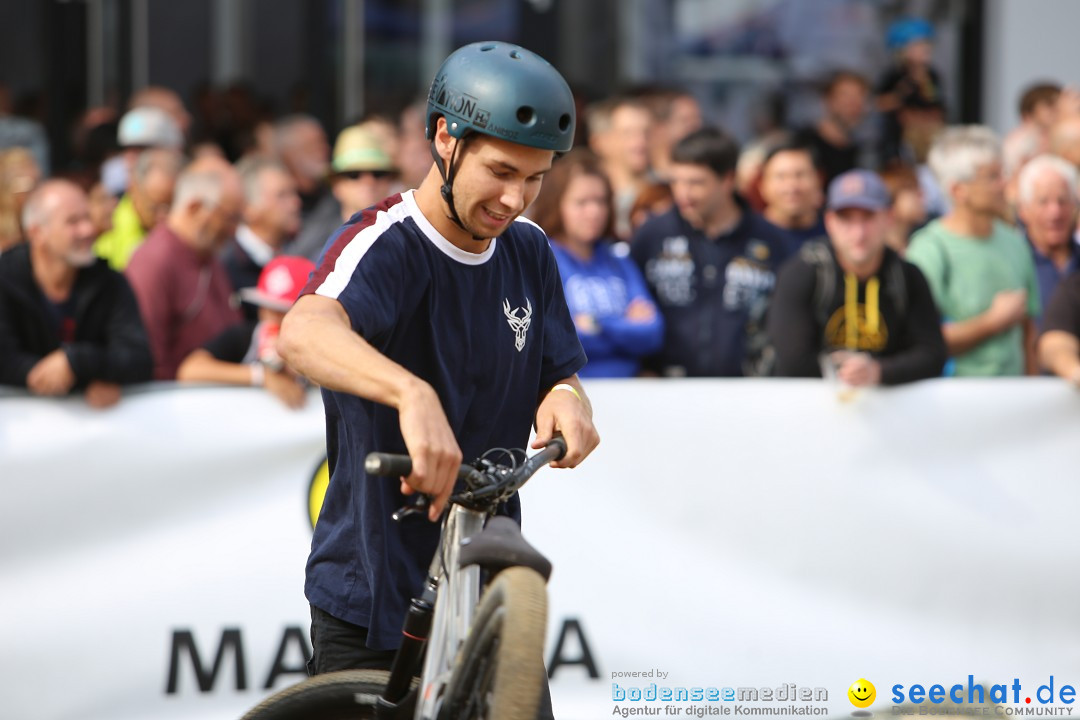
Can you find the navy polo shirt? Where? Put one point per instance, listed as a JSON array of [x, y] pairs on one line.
[[491, 333], [1049, 276]]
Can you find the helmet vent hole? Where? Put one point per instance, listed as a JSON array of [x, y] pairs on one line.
[[487, 48], [564, 122], [515, 54], [526, 116]]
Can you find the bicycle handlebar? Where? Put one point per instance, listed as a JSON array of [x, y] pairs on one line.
[[503, 480]]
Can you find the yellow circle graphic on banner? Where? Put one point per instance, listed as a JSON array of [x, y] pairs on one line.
[[317, 491], [862, 693]]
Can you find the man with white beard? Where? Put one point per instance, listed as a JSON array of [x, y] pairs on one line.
[[67, 321]]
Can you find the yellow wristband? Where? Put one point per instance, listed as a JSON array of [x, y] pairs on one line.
[[569, 388]]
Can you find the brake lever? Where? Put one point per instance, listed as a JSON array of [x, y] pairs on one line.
[[419, 507]]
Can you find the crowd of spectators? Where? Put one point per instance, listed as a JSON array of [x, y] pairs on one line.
[[173, 245]]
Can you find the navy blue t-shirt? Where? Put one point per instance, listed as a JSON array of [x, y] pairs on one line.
[[490, 332], [706, 289]]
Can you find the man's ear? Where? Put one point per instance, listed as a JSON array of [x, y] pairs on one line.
[[197, 209], [444, 141]]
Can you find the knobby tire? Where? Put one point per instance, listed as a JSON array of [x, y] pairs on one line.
[[500, 668]]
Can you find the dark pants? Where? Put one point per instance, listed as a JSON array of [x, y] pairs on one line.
[[340, 645]]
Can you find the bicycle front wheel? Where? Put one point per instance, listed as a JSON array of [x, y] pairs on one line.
[[342, 695], [499, 671]]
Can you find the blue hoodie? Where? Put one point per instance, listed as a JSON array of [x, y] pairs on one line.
[[603, 287]]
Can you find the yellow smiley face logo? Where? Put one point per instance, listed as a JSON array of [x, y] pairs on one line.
[[861, 693]]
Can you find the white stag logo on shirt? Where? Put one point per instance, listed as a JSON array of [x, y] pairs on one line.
[[520, 325]]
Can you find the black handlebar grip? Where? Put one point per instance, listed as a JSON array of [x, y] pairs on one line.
[[388, 465], [558, 442]]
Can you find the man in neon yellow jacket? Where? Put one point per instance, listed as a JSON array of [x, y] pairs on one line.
[[146, 202]]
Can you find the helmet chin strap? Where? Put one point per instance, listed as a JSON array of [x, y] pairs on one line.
[[448, 171]]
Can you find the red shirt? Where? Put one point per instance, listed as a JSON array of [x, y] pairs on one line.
[[184, 298]]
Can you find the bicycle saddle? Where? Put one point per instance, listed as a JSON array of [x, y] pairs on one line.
[[499, 546]]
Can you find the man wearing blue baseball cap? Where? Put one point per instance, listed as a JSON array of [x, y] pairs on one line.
[[853, 300]]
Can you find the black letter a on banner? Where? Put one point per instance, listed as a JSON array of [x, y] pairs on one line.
[[586, 659]]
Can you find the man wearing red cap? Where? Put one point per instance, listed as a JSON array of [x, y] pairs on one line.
[[246, 353]]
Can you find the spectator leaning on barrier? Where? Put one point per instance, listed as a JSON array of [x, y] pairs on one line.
[[1048, 206], [979, 269], [67, 321], [182, 287], [146, 203], [709, 262], [246, 354], [436, 324], [791, 190], [854, 299], [271, 219], [616, 319]]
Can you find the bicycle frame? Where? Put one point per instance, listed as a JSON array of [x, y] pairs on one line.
[[455, 604]]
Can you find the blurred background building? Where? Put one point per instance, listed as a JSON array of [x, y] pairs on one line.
[[752, 63]]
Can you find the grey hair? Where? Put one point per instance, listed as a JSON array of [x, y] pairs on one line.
[[1017, 148], [251, 170], [1038, 165], [958, 152], [34, 212], [203, 186], [37, 211], [166, 160]]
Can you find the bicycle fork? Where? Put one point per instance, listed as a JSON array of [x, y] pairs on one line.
[[451, 594]]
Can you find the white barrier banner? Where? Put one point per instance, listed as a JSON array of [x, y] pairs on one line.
[[732, 548]]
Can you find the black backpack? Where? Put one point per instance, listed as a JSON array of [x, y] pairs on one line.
[[760, 359]]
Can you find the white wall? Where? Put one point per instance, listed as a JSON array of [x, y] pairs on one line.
[[1027, 41]]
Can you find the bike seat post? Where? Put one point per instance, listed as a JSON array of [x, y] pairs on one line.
[[459, 593]]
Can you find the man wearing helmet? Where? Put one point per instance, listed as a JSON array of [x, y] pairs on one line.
[[436, 325]]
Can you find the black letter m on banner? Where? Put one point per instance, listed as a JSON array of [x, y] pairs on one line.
[[185, 640]]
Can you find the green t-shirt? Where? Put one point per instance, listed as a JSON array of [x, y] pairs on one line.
[[965, 273]]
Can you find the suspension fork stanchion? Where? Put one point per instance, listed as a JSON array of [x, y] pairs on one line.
[[459, 593]]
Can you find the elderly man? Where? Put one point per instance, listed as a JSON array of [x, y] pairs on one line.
[[1048, 207], [979, 269], [271, 219], [67, 321], [182, 287]]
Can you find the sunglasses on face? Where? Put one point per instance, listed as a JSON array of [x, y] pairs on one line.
[[357, 174]]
